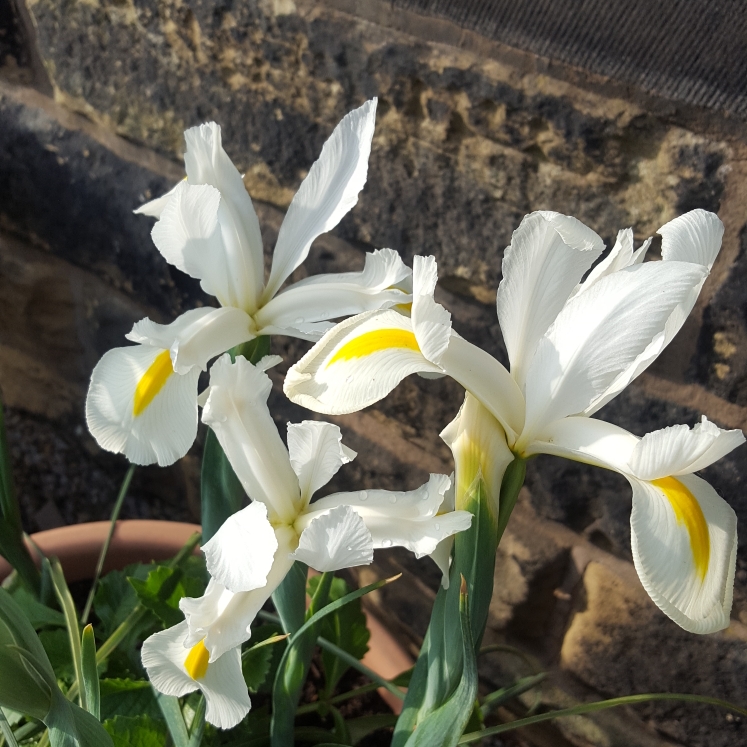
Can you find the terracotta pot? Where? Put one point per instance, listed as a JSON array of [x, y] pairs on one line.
[[139, 541]]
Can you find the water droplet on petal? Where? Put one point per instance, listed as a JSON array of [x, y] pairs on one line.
[[350, 548], [348, 380], [387, 543], [363, 496], [392, 498], [436, 526], [298, 320]]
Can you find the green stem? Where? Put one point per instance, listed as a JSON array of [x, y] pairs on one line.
[[476, 736], [105, 549], [312, 707], [7, 732]]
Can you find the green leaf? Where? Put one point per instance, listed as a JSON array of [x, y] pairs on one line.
[[71, 623], [172, 714], [57, 646], [38, 614], [364, 725], [255, 664], [115, 599], [221, 492], [71, 726], [12, 545], [125, 697], [140, 731], [346, 628], [163, 588], [499, 697], [444, 726], [290, 597], [90, 672]]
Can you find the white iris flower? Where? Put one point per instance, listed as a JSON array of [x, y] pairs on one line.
[[572, 346], [255, 548], [142, 399]]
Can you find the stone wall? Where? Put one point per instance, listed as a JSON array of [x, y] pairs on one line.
[[471, 135]]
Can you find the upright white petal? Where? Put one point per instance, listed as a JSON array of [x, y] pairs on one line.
[[197, 335], [328, 192], [696, 238], [154, 208], [316, 453], [679, 450], [430, 321], [207, 163], [334, 540], [240, 554], [138, 406], [548, 256], [236, 410], [598, 334], [356, 363], [222, 683], [684, 542], [478, 442], [304, 308]]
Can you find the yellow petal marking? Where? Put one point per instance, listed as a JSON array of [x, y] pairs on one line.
[[197, 661], [688, 512], [152, 382], [373, 342]]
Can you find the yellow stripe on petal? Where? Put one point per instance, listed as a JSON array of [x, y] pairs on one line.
[[152, 381], [688, 512], [197, 661], [374, 341]]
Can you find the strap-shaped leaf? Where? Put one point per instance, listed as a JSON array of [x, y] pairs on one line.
[[90, 673]]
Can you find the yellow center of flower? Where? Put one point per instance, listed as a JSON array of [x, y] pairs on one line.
[[687, 510], [471, 461], [197, 661], [152, 382], [373, 342]]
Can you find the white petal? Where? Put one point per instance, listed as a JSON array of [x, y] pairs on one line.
[[154, 208], [335, 540], [678, 450], [138, 406], [548, 256], [478, 443], [164, 655], [441, 556], [598, 334], [316, 453], [356, 363], [236, 410], [333, 296], [223, 619], [693, 237], [207, 163], [196, 336], [240, 554], [328, 192], [684, 550], [430, 321], [586, 440], [486, 378]]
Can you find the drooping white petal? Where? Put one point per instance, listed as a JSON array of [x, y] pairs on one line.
[[207, 163], [226, 695], [332, 296], [684, 540], [356, 363], [328, 192], [487, 379], [678, 450], [334, 540], [430, 321], [548, 256], [138, 406], [693, 237], [240, 554], [316, 453], [236, 410], [478, 442], [598, 334], [586, 440], [222, 619], [197, 335], [441, 556], [154, 208]]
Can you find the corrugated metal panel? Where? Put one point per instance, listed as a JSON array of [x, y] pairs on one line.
[[688, 50]]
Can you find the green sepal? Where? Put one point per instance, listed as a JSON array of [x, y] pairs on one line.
[[221, 492]]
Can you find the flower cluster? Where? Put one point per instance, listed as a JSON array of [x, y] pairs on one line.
[[575, 339]]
